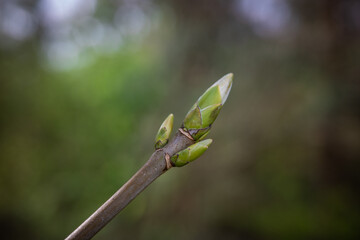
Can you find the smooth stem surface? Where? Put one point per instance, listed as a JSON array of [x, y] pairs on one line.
[[152, 169]]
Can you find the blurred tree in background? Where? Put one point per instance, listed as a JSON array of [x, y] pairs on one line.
[[85, 84]]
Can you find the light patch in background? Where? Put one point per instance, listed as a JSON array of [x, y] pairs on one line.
[[59, 12], [61, 19], [99, 36], [62, 54], [267, 17], [73, 37], [89, 33], [130, 19], [16, 22], [112, 40]]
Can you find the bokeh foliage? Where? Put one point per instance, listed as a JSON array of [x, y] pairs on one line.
[[74, 127]]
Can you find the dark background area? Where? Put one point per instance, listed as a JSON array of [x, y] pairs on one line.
[[85, 85]]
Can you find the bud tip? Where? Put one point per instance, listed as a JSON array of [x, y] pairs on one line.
[[225, 84]]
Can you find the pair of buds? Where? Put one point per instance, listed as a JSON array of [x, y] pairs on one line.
[[197, 122]]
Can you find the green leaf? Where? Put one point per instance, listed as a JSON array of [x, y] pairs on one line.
[[210, 97], [191, 153], [193, 118], [210, 114]]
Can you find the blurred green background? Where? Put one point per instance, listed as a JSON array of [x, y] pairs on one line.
[[85, 85]]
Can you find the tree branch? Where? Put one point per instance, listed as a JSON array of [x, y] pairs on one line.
[[152, 169], [186, 146]]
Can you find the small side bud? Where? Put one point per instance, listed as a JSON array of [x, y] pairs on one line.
[[200, 117], [163, 135], [191, 153]]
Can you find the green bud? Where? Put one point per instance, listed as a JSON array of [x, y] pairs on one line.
[[191, 153], [193, 118], [201, 116], [210, 113], [163, 135], [210, 97], [204, 136]]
